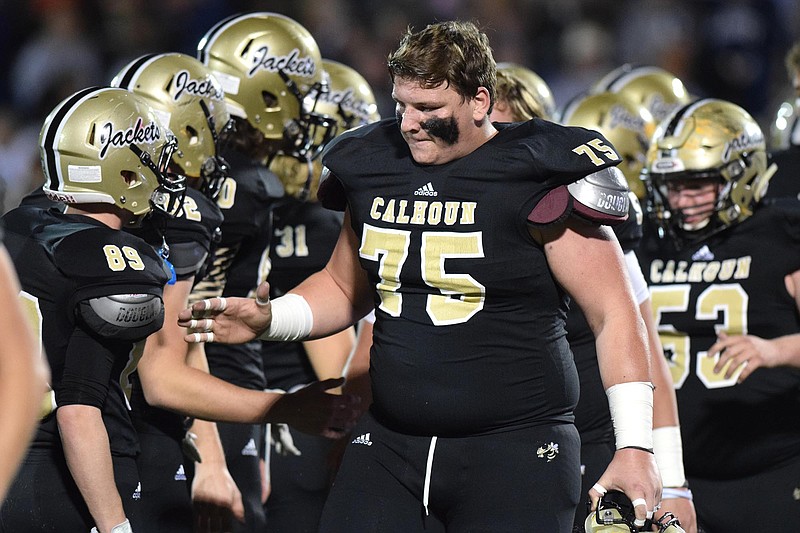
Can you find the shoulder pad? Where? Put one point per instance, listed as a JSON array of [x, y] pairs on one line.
[[128, 317], [331, 191], [105, 261], [601, 197]]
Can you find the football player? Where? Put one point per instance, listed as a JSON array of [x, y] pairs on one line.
[[304, 236], [521, 93], [24, 375], [724, 278], [268, 65], [658, 90], [628, 126], [189, 99], [465, 238], [95, 290]]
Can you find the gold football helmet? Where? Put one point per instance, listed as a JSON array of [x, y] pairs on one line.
[[267, 64], [349, 98], [525, 91], [714, 139], [624, 122], [106, 145], [189, 100], [660, 91], [351, 101]]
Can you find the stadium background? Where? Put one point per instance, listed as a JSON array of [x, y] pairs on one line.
[[731, 49]]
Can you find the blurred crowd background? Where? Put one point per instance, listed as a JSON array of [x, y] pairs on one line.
[[731, 49]]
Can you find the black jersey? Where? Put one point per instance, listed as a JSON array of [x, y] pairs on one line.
[[62, 261], [469, 335], [241, 261], [731, 282], [190, 240], [304, 236]]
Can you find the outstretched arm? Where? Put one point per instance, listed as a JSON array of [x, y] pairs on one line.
[[325, 303], [600, 285], [170, 383]]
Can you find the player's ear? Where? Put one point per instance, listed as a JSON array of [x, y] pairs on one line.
[[480, 104]]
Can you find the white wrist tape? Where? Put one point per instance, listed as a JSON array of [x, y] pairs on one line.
[[631, 406], [124, 527], [291, 319], [669, 493], [668, 448]]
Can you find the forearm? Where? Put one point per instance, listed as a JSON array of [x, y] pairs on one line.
[[192, 392], [328, 355], [88, 455], [787, 349], [333, 307]]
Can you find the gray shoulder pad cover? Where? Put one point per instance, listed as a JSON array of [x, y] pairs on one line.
[[602, 196], [130, 317]]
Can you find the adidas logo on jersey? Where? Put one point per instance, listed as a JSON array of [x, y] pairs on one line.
[[426, 190], [250, 448], [137, 494], [362, 439], [180, 474], [703, 254]]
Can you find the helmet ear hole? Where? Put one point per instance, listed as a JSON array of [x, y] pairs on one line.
[[192, 135], [129, 177], [270, 100]]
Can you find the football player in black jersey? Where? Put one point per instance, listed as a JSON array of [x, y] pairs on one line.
[[190, 100], [95, 291], [304, 236], [628, 126], [270, 68], [466, 237], [24, 375], [724, 277]]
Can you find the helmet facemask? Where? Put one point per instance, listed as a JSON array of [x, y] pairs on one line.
[[168, 196], [215, 169], [306, 136]]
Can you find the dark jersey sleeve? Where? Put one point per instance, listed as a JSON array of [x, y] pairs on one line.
[[88, 367], [105, 262]]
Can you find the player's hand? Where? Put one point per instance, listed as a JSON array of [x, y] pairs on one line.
[[315, 411], [635, 473], [228, 320], [216, 500], [747, 352], [683, 509]]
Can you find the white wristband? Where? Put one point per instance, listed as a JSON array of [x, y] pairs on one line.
[[669, 493], [668, 448], [631, 406], [124, 527], [291, 319]]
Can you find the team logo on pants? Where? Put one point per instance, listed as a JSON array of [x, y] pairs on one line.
[[547, 451]]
